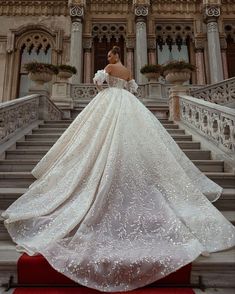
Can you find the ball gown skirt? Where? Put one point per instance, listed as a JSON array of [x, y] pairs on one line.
[[117, 204]]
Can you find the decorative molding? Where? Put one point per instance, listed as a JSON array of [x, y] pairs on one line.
[[174, 30], [212, 27], [34, 8], [199, 43], [151, 43], [76, 26], [130, 42], [212, 11], [141, 10], [140, 25], [76, 11], [87, 42], [109, 30]]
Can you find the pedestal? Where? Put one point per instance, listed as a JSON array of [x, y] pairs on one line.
[[174, 101]]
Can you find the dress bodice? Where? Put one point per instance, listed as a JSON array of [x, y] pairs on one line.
[[101, 76], [116, 82]]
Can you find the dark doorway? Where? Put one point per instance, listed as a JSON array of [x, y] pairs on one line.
[[101, 50], [231, 57]]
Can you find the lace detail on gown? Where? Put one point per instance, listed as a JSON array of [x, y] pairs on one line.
[[117, 204]]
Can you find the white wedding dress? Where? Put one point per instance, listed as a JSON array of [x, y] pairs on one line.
[[116, 204]]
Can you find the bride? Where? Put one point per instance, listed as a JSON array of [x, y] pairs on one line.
[[116, 204]]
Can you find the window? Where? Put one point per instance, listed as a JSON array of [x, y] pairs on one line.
[[35, 48]]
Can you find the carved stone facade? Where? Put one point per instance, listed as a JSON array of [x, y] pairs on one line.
[[78, 30]]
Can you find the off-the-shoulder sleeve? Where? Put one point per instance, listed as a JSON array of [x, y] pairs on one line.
[[100, 77], [132, 86]]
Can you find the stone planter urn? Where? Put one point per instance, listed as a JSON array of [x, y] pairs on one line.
[[152, 76], [64, 75], [40, 78], [177, 77]]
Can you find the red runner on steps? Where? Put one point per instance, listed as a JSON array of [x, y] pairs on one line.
[[36, 270]]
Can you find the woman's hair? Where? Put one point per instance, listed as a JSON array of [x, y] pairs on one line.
[[116, 50]]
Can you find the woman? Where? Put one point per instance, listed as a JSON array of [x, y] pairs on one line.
[[117, 205]]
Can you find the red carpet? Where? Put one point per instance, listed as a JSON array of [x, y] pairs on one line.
[[36, 270]]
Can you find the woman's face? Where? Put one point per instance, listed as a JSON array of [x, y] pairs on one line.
[[112, 58]]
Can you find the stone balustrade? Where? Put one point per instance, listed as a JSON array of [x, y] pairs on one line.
[[215, 122], [82, 94], [219, 93], [17, 114]]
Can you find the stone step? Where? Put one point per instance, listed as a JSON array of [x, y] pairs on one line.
[[9, 195], [170, 126], [225, 180], [176, 131], [226, 202], [181, 137], [14, 165], [209, 165], [64, 121], [166, 121], [52, 125], [219, 264], [25, 154], [8, 261], [42, 137], [189, 145], [45, 145], [216, 270], [16, 179], [197, 154], [48, 130]]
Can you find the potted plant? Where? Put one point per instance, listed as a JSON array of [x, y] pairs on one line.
[[66, 71], [40, 72], [151, 71], [177, 71]]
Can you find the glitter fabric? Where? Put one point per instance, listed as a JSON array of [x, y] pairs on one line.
[[117, 204]]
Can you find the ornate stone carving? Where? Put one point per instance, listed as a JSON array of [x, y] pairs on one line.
[[141, 10], [212, 27], [37, 40], [212, 11], [29, 7], [216, 123], [109, 30], [140, 25], [130, 43], [76, 11], [199, 44], [151, 43], [19, 113], [220, 93], [76, 26], [87, 43], [178, 33]]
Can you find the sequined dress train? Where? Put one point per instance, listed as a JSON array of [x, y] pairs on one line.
[[116, 204]]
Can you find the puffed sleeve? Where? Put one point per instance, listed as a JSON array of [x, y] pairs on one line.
[[100, 77], [132, 86]]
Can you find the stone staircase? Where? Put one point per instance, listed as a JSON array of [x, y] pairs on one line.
[[217, 270]]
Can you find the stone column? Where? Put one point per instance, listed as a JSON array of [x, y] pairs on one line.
[[223, 44], [141, 58], [87, 45], [76, 54], [152, 51], [212, 12], [130, 44], [200, 70]]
